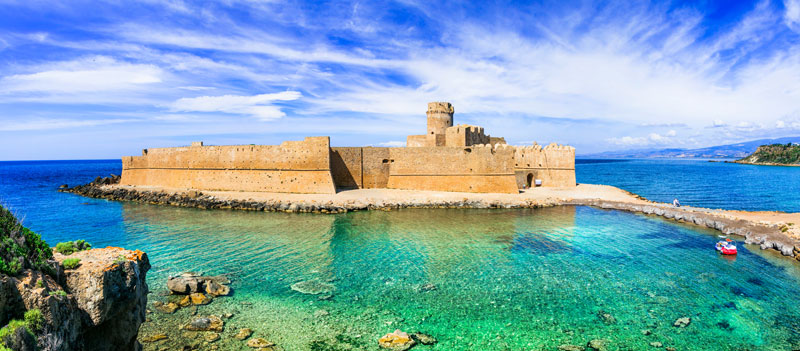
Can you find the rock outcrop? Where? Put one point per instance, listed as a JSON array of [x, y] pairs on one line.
[[98, 305], [110, 290]]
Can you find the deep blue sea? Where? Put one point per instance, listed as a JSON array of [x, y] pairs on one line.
[[700, 182], [533, 279]]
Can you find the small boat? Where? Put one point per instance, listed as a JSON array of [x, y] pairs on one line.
[[726, 247]]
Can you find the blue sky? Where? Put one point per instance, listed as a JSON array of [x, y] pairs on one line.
[[103, 79]]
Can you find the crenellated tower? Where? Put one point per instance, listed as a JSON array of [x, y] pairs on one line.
[[440, 117]]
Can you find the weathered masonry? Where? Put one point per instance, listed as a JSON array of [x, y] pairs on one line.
[[447, 158]]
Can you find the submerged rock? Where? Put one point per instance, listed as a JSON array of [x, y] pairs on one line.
[[216, 289], [396, 341], [243, 333], [568, 347], [427, 287], [606, 317], [168, 308], [423, 338], [200, 299], [210, 323], [598, 344], [656, 344], [211, 337], [312, 287], [682, 322], [259, 343]]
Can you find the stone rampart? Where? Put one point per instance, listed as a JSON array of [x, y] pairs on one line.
[[554, 165], [477, 169], [293, 167]]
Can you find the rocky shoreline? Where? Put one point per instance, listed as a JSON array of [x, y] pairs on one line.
[[766, 234]]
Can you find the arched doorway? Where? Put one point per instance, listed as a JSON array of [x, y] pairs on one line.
[[529, 180]]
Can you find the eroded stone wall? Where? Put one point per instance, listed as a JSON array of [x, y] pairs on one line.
[[478, 169], [554, 165], [293, 166]]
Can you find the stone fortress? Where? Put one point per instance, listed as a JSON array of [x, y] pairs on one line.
[[459, 158]]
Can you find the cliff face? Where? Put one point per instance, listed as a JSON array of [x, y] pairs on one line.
[[98, 305], [775, 154]]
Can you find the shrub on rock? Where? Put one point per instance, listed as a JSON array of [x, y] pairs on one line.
[[71, 263]]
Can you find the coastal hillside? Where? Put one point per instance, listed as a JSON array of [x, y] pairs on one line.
[[774, 154], [737, 150]]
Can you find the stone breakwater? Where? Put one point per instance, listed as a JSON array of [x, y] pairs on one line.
[[770, 230]]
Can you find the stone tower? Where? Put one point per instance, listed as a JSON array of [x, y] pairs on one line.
[[440, 117]]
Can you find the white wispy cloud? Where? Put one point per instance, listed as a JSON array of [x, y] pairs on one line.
[[93, 80], [792, 12], [51, 123], [652, 139], [259, 106]]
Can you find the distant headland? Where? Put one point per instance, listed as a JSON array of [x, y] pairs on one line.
[[774, 155]]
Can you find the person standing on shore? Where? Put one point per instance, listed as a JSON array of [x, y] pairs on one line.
[[676, 203]]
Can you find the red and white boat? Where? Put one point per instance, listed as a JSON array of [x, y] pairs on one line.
[[726, 247]]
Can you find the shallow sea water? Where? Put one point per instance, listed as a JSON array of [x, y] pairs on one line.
[[504, 279]]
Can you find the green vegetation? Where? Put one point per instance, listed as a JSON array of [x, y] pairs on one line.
[[33, 322], [71, 263], [70, 247], [40, 283], [775, 154], [59, 293], [120, 259], [20, 247]]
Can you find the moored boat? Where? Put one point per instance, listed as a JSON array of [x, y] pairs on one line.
[[726, 247]]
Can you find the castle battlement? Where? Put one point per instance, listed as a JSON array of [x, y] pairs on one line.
[[446, 158]]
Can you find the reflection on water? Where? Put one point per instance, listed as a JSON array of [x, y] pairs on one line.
[[475, 279]]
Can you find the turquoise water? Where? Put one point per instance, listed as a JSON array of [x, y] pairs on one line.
[[474, 279]]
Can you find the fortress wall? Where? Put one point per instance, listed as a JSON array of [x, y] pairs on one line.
[[480, 169], [553, 164], [376, 164], [346, 163], [292, 166], [360, 167]]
